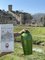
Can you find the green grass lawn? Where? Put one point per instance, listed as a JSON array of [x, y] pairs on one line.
[[38, 34], [33, 30], [18, 54]]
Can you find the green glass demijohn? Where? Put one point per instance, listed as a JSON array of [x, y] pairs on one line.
[[26, 40]]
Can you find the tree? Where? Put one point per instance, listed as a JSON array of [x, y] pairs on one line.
[[27, 17], [41, 19], [44, 21]]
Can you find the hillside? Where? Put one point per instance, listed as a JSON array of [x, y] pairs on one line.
[[20, 18], [38, 15]]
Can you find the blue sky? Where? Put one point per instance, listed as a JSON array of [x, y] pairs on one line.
[[30, 6]]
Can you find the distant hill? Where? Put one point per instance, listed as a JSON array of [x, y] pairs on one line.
[[38, 15], [39, 19]]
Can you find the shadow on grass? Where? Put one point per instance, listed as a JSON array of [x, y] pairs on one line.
[[5, 53]]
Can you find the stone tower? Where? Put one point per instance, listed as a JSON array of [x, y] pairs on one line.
[[9, 7]]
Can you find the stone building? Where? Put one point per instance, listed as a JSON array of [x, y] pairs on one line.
[[13, 17]]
